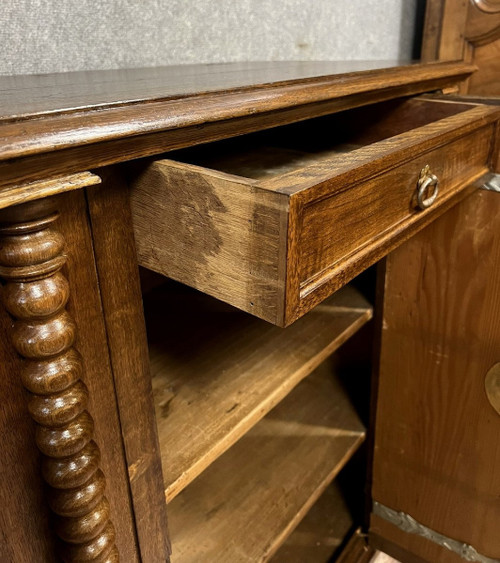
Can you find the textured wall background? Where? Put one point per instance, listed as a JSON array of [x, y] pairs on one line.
[[61, 35]]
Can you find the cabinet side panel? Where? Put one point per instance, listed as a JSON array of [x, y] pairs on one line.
[[85, 307], [437, 453], [122, 304]]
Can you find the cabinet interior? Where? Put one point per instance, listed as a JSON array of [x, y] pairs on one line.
[[256, 422]]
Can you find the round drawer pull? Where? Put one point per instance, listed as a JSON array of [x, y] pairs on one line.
[[427, 180]]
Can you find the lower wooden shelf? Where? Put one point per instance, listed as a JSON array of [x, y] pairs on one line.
[[247, 502], [217, 371], [322, 531]]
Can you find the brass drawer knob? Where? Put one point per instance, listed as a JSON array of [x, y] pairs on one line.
[[427, 188]]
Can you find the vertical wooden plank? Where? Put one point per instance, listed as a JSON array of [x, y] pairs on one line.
[[85, 307], [114, 247], [437, 452]]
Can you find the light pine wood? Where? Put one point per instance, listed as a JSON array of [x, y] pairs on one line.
[[321, 532], [277, 243], [435, 427], [246, 503], [216, 371]]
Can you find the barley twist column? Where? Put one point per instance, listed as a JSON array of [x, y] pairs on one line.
[[35, 294]]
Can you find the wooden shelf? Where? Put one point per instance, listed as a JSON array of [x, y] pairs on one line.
[[322, 531], [217, 371], [246, 503]]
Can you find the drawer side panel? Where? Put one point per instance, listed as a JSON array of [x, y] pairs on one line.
[[212, 232]]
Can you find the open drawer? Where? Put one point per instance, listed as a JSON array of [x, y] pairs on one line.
[[276, 221]]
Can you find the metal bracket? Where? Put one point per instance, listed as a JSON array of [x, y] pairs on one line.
[[409, 525], [492, 184]]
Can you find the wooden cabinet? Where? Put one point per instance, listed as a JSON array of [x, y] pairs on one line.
[[282, 183]]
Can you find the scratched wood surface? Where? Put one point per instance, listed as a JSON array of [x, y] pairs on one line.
[[216, 371], [435, 428], [245, 504]]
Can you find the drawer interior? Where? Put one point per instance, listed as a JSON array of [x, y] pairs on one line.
[[268, 154], [276, 221]]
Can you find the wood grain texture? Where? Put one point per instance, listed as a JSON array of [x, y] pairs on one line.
[[14, 195], [460, 30], [136, 104], [435, 427], [24, 521], [75, 131], [275, 244], [217, 372], [86, 309], [336, 227], [214, 232], [390, 539], [321, 532], [487, 83], [123, 315], [29, 97], [36, 294], [247, 502]]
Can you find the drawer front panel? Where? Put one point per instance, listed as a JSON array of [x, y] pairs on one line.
[[336, 228]]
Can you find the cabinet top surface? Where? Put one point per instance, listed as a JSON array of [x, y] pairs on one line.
[[31, 96], [70, 122]]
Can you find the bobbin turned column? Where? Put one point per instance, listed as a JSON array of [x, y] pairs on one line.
[[35, 294]]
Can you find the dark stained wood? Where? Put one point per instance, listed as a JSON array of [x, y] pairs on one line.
[[245, 504], [280, 240], [86, 309], [357, 549], [122, 306], [24, 520], [469, 31], [435, 426], [36, 294], [221, 370], [27, 97], [14, 195], [88, 136]]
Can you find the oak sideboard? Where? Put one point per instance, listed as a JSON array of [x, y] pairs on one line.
[[286, 219]]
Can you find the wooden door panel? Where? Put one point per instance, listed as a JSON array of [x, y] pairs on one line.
[[437, 446]]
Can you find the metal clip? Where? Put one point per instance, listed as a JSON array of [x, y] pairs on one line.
[[492, 184]]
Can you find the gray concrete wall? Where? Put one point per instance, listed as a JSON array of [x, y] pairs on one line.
[[61, 35]]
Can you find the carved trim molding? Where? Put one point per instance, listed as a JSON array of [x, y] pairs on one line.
[[35, 294], [488, 6]]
